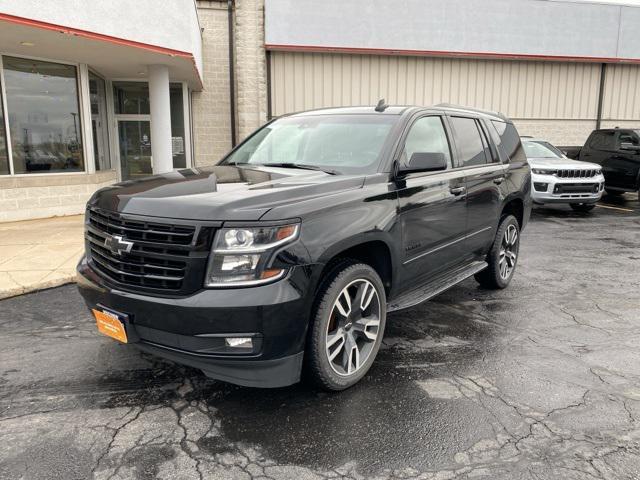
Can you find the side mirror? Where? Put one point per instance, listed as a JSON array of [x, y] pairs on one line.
[[425, 162], [630, 147]]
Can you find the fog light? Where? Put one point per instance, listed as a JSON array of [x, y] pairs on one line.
[[540, 187], [238, 342]]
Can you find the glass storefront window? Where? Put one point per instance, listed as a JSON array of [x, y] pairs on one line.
[[131, 98], [97, 93], [177, 126], [44, 120], [4, 154]]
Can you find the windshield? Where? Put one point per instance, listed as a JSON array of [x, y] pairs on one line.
[[538, 149], [340, 143]]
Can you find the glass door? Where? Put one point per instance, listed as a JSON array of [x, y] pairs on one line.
[[135, 148]]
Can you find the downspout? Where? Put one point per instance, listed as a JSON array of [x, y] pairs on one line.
[[232, 75], [269, 107], [603, 72]]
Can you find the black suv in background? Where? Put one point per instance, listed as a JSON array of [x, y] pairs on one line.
[[618, 151], [288, 254]]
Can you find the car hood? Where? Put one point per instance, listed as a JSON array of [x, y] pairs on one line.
[[561, 163], [220, 192]]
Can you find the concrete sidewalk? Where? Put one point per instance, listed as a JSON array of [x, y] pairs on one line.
[[39, 254]]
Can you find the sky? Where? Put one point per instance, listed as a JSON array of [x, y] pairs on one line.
[[618, 2]]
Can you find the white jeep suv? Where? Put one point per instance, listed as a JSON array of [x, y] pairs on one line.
[[558, 179]]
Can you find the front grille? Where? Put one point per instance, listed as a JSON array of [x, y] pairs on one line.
[[576, 188], [166, 256], [579, 173]]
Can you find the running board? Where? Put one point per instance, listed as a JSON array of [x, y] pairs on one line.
[[439, 285]]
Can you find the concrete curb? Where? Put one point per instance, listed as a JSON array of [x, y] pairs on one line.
[[34, 287]]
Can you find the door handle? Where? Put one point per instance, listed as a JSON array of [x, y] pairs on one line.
[[457, 190], [498, 180]]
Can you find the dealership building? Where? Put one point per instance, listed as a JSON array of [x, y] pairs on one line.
[[96, 92]]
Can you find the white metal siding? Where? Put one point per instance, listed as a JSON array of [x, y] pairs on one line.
[[520, 89], [622, 93]]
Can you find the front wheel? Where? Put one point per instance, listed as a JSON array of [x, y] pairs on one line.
[[503, 256], [614, 193], [347, 326], [583, 207]]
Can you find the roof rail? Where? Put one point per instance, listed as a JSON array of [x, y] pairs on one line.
[[471, 109]]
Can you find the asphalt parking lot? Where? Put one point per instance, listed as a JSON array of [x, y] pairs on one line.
[[539, 381]]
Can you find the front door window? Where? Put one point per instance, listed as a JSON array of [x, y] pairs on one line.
[[135, 148]]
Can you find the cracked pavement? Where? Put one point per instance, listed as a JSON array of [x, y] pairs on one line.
[[538, 381]]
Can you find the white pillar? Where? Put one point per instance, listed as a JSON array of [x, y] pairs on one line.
[[160, 107]]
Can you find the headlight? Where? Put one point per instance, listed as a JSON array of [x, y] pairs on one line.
[[543, 171], [240, 256]]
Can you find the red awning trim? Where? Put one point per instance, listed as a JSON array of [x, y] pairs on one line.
[[439, 53]]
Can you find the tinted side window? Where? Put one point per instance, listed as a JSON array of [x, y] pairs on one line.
[[427, 134], [602, 141], [490, 138], [471, 148], [510, 141], [627, 137]]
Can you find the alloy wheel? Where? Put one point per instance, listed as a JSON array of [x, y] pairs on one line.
[[353, 327], [508, 252]]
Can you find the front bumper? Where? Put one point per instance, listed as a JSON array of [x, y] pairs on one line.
[[551, 189], [191, 330]]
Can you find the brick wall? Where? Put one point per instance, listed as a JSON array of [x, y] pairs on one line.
[[621, 124], [250, 66], [558, 132], [42, 196], [211, 107]]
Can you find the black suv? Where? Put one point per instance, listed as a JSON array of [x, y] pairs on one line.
[[287, 255], [618, 151]]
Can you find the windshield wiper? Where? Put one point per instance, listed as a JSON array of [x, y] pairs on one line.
[[300, 166]]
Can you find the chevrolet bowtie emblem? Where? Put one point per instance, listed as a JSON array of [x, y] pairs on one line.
[[118, 245]]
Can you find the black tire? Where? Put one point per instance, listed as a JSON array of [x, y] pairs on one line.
[[583, 207], [614, 193], [492, 277], [326, 317]]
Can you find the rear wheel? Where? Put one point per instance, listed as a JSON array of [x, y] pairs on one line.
[[583, 207], [503, 256], [347, 327]]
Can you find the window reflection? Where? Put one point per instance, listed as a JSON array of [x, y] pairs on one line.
[[44, 120], [4, 154], [97, 92], [131, 98], [177, 126]]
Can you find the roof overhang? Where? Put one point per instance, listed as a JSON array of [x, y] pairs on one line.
[[111, 56]]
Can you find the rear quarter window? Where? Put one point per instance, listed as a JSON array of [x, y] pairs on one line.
[[510, 144], [602, 141]]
